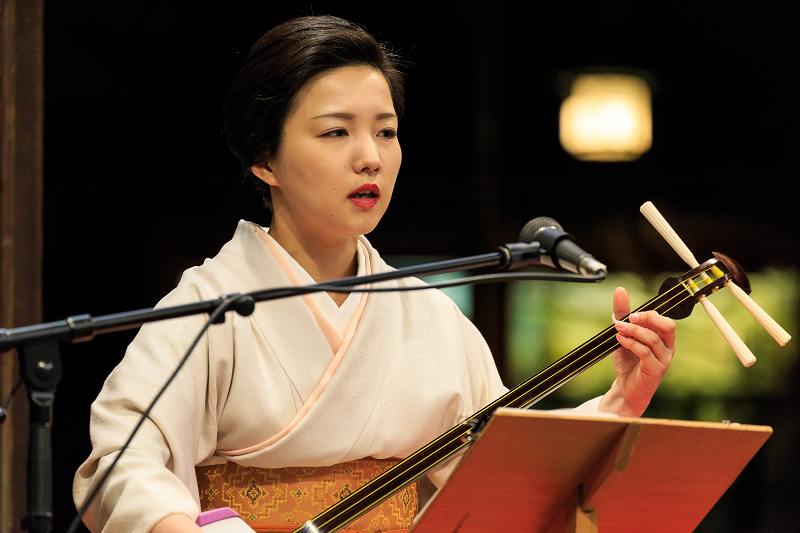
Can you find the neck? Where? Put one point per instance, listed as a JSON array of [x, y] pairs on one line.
[[323, 261]]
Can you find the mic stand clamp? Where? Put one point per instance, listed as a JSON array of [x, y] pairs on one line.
[[520, 254], [40, 370]]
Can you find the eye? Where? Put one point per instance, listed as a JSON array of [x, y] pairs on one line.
[[388, 133], [340, 132]]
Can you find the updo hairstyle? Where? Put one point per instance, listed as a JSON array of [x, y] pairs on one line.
[[264, 92]]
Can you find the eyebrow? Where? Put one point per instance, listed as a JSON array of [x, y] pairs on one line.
[[351, 116]]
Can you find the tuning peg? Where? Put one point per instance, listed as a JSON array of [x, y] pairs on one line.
[[739, 347], [742, 352], [662, 226], [773, 328]]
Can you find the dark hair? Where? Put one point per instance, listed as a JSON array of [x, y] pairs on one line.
[[264, 92]]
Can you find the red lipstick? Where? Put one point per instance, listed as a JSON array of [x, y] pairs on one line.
[[365, 196]]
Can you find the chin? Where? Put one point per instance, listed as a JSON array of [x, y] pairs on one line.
[[367, 226], [366, 230]]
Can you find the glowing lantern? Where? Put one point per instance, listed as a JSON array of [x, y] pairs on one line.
[[607, 118]]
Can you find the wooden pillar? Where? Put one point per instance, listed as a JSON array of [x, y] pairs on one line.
[[21, 137]]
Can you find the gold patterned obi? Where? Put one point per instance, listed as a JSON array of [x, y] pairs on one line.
[[281, 500]]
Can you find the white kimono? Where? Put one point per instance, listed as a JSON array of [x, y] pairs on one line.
[[415, 367]]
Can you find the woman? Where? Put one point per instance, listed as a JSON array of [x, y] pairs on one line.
[[304, 386]]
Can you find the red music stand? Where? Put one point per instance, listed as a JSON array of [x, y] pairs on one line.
[[554, 472]]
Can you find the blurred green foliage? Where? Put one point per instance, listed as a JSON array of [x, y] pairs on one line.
[[548, 320]]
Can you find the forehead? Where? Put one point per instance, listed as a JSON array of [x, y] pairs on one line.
[[346, 89]]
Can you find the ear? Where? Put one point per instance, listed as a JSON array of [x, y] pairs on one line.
[[264, 173]]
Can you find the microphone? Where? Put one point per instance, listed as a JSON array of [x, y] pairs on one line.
[[558, 249]]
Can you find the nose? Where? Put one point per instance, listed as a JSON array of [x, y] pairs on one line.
[[366, 157]]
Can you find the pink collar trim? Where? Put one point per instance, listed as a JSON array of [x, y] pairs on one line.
[[339, 344]]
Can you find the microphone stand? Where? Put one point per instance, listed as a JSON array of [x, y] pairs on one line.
[[40, 361]]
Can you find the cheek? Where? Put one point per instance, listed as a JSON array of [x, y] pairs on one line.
[[393, 159]]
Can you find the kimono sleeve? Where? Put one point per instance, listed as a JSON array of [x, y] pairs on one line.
[[155, 476], [485, 386]]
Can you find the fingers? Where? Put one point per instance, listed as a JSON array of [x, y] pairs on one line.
[[647, 335], [621, 303], [645, 339], [662, 326], [643, 343]]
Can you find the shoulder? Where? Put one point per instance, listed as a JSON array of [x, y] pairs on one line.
[[243, 264]]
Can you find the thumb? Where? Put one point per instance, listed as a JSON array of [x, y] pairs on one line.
[[622, 305]]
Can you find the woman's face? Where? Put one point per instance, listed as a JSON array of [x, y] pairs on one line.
[[334, 174]]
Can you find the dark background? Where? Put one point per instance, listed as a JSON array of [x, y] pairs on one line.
[[139, 184]]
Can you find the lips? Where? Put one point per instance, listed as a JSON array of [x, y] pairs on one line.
[[365, 196]]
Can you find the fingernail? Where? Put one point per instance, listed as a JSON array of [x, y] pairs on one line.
[[634, 316], [620, 325]]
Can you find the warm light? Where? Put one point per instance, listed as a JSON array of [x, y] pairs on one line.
[[607, 118]]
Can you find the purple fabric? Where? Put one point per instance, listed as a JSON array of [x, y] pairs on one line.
[[215, 515]]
